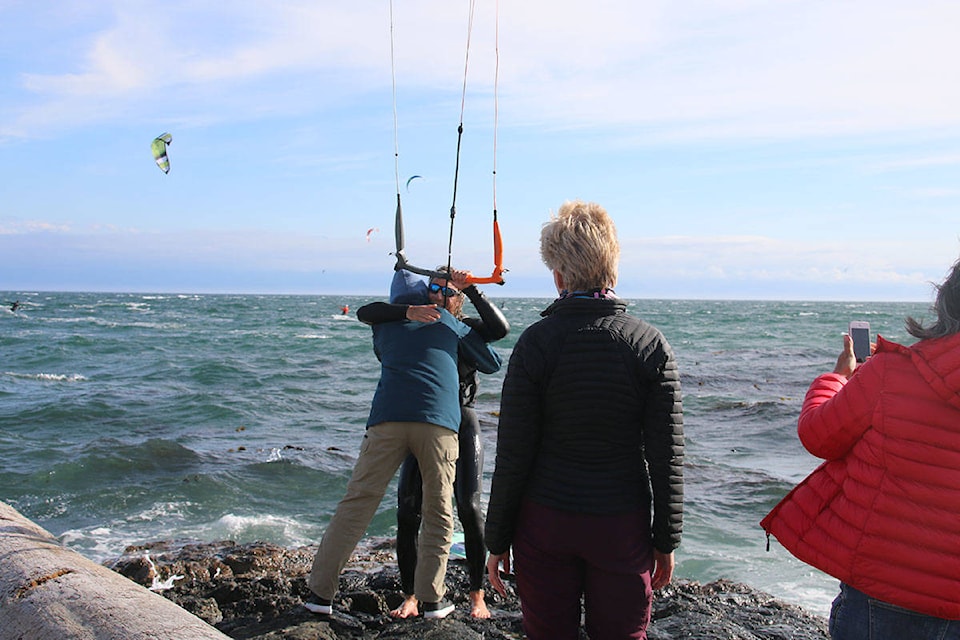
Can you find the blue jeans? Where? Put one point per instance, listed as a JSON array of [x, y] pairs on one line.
[[857, 616]]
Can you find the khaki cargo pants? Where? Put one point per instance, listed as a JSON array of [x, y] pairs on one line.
[[384, 448]]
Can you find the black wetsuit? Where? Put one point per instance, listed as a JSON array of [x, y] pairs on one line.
[[491, 325]]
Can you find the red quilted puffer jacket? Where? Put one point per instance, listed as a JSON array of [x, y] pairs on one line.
[[882, 514]]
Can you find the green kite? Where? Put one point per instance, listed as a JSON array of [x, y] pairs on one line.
[[159, 149]]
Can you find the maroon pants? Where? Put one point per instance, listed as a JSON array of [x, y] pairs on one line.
[[560, 556]]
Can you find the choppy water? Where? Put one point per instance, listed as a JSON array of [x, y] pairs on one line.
[[126, 418]]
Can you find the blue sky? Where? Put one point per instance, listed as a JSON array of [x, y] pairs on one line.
[[746, 149]]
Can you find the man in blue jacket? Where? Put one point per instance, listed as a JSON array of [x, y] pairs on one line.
[[416, 409]]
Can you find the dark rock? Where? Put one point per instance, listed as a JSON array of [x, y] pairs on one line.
[[725, 610], [206, 609], [255, 592]]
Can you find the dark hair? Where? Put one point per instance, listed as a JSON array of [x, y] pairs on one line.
[[947, 308], [454, 304]]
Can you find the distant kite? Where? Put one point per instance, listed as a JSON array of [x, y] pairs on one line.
[[370, 231], [159, 149], [411, 179]]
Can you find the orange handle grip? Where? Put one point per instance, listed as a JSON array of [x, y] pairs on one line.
[[497, 276]]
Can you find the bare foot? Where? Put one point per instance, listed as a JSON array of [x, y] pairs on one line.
[[406, 609], [478, 607]]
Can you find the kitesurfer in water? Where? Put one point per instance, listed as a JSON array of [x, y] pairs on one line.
[[14, 306], [491, 325]]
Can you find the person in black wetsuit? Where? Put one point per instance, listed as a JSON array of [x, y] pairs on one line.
[[417, 305]]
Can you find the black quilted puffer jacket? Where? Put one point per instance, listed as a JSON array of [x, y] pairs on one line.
[[590, 421]]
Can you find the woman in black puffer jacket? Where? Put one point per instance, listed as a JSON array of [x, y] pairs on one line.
[[588, 483]]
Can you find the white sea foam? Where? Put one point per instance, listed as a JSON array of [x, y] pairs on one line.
[[98, 543], [286, 531], [157, 584], [107, 541], [162, 511], [47, 377]]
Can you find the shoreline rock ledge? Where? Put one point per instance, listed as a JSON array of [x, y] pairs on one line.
[[48, 592], [255, 591]]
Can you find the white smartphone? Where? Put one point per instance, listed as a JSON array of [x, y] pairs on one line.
[[860, 333]]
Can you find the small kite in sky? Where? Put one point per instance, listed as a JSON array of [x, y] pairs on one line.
[[370, 231], [411, 179], [159, 149]]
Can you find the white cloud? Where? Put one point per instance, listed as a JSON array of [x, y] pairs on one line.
[[679, 266], [680, 70], [738, 259], [765, 69], [18, 227], [935, 192], [915, 162]]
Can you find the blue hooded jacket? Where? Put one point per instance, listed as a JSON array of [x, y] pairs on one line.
[[418, 373]]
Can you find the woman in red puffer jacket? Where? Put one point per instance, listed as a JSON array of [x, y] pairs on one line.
[[881, 514]]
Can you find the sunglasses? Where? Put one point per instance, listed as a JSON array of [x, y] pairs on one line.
[[446, 291]]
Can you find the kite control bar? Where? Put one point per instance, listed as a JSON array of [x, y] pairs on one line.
[[494, 278]]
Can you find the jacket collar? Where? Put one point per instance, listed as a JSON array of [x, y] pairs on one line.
[[605, 305]]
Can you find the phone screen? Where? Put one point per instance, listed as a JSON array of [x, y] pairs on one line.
[[861, 343]]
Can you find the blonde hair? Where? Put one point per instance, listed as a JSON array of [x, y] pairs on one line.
[[580, 242]]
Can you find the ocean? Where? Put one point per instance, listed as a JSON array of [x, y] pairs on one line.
[[129, 418]]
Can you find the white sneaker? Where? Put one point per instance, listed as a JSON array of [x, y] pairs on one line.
[[437, 610], [318, 605]]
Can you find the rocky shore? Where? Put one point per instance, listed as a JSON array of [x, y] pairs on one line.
[[255, 592]]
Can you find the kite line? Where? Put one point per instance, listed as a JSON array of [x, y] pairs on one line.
[[402, 262]]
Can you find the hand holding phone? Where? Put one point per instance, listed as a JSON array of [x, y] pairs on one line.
[[860, 334]]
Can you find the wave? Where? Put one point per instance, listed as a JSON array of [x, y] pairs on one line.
[[289, 531], [109, 460], [165, 521], [47, 377]]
